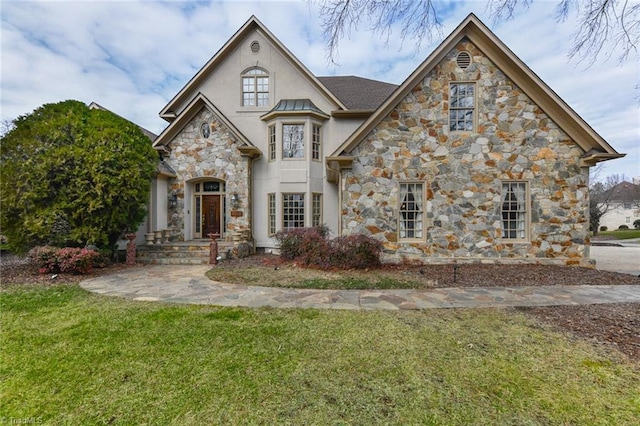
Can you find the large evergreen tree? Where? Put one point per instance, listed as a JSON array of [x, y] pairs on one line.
[[71, 175]]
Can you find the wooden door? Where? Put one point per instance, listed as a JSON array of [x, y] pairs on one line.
[[210, 215]]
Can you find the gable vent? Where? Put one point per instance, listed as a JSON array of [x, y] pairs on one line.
[[463, 60], [255, 47]]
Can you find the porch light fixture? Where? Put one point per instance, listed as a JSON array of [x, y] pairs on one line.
[[235, 200], [173, 199]]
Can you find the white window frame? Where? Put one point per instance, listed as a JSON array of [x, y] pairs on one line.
[[412, 202], [515, 213], [454, 106]]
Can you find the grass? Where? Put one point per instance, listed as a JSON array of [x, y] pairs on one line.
[[290, 276], [622, 234], [69, 357]]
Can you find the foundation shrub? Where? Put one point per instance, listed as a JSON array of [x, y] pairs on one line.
[[623, 227], [307, 245], [312, 247], [70, 260], [355, 252]]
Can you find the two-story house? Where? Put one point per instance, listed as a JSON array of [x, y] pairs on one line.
[[472, 157]]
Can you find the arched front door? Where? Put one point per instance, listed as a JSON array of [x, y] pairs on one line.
[[209, 203]]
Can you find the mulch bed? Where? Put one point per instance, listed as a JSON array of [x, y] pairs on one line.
[[613, 325]]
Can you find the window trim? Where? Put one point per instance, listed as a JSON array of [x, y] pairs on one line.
[[284, 196], [474, 111], [246, 74], [423, 211], [527, 212]]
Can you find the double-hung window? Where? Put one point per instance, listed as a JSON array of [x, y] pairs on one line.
[[514, 210], [255, 87], [411, 220], [271, 201], [293, 140], [461, 106], [315, 143], [316, 210], [272, 143]]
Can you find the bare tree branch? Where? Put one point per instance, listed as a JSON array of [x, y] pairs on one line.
[[604, 26], [416, 19]]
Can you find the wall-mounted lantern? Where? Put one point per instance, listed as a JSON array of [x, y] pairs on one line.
[[235, 200], [173, 199]]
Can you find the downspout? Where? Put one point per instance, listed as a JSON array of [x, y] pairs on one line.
[[339, 196]]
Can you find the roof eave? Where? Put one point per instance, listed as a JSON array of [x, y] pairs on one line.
[[335, 164], [308, 113], [591, 159], [352, 113]]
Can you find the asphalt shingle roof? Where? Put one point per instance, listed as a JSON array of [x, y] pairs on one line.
[[357, 92]]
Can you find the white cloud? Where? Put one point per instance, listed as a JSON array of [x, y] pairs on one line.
[[132, 57]]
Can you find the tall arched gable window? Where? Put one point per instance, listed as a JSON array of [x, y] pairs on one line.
[[255, 87]]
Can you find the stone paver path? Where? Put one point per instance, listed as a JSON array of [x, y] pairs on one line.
[[188, 285]]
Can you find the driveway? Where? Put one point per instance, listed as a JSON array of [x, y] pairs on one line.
[[624, 259]]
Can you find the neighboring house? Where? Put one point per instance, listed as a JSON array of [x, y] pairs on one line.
[[625, 206], [472, 158]]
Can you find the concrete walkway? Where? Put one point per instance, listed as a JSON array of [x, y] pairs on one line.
[[624, 259], [188, 284]]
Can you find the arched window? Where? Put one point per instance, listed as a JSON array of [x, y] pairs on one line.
[[255, 87]]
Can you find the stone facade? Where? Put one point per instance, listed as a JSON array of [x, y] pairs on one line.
[[463, 173], [195, 158]]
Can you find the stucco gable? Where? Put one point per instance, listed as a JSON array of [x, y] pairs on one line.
[[592, 144], [171, 110]]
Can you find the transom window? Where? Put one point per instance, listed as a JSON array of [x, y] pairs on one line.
[[272, 143], [514, 210], [255, 87], [411, 210], [293, 141], [212, 186], [315, 143], [316, 210], [461, 106], [292, 211]]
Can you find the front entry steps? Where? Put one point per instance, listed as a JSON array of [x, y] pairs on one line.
[[194, 252]]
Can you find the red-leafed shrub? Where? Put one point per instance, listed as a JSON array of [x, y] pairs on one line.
[[70, 260], [309, 245], [45, 258], [312, 247], [355, 252]]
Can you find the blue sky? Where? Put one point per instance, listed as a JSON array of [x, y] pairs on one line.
[[133, 57]]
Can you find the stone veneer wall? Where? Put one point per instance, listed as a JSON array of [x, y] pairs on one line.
[[193, 157], [463, 173]]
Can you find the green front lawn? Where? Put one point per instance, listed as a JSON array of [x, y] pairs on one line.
[[623, 234], [69, 357]]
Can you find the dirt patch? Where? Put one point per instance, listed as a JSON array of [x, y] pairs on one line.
[[272, 270]]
